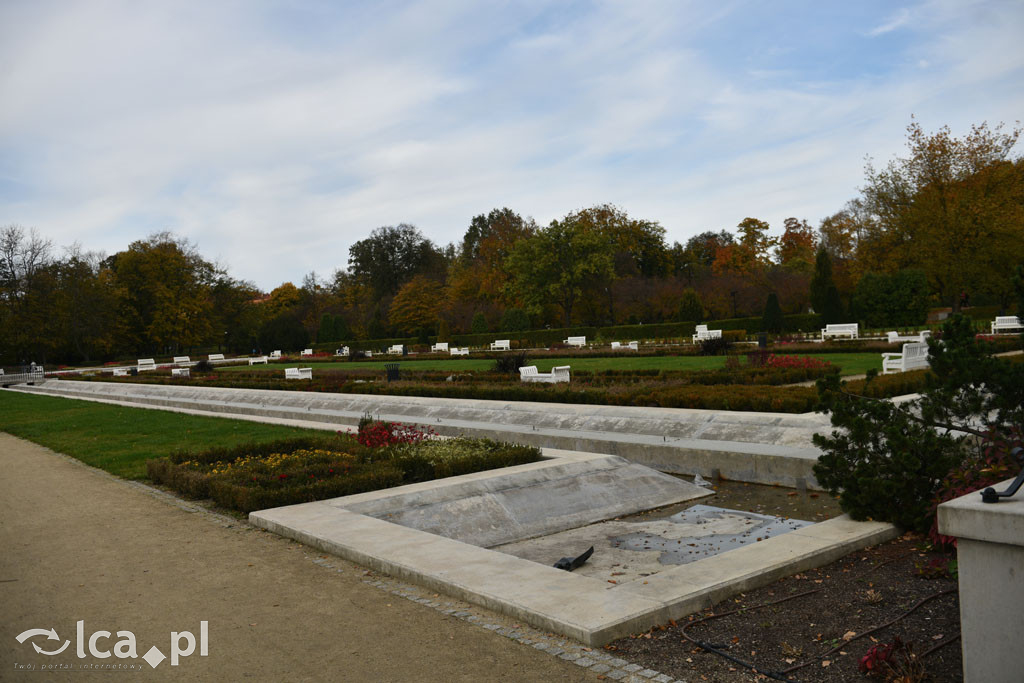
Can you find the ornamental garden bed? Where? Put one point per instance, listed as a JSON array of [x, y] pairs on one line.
[[259, 476]]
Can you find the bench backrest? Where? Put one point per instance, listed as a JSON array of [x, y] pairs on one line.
[[307, 352], [396, 348], [616, 345], [635, 345], [914, 351], [560, 370], [118, 372], [215, 356], [1006, 321], [576, 340], [180, 372], [147, 364], [298, 373], [502, 344], [701, 329], [528, 371], [275, 354], [182, 359], [439, 346], [841, 327]]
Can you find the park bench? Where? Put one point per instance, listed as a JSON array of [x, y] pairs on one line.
[[616, 346], [1005, 323], [913, 357], [180, 372], [456, 351], [895, 338], [298, 373], [179, 360], [501, 345], [558, 374], [396, 349], [275, 355], [439, 346], [703, 334], [634, 346], [215, 356], [257, 360], [118, 372], [369, 354], [146, 364], [839, 330], [306, 352], [576, 341], [343, 351]]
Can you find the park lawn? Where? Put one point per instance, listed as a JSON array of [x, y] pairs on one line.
[[849, 363], [119, 439]]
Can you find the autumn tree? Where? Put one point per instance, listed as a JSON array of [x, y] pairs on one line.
[[797, 246], [751, 252], [391, 256], [416, 304], [953, 207], [479, 274]]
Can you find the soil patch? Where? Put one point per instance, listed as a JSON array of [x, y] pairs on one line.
[[818, 625]]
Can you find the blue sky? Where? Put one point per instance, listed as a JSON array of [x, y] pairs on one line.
[[275, 134]]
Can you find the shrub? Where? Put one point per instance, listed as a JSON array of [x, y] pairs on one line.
[[716, 346], [479, 324], [509, 363], [203, 366], [515, 320], [690, 307], [771, 321]]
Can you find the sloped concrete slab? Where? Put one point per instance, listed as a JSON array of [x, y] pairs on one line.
[[591, 610]]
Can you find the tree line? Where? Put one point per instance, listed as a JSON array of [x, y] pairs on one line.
[[942, 225]]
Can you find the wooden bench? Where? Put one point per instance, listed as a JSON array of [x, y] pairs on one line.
[[398, 349], [1006, 323], [256, 360], [181, 360], [343, 351], [913, 357], [501, 345], [439, 346], [146, 364], [840, 330], [275, 355], [576, 341], [456, 351], [558, 374], [703, 334], [180, 372], [215, 356], [306, 352], [118, 372], [895, 338], [298, 373]]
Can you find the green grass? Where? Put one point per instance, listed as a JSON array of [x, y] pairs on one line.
[[120, 439], [850, 364]]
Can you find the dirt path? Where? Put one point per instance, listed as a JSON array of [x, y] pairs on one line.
[[76, 544]]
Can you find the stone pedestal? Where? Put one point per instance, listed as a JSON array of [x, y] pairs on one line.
[[990, 559]]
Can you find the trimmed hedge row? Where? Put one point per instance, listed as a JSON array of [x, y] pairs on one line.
[[791, 323]]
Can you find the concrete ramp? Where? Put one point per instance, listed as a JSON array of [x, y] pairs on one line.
[[524, 502]]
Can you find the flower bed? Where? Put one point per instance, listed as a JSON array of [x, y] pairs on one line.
[[255, 477]]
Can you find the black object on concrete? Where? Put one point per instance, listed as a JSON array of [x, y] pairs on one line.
[[990, 495], [570, 563]]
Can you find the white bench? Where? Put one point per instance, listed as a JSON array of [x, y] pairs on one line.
[[275, 355], [118, 372], [1005, 323], [369, 354], [258, 360], [501, 345], [634, 345], [576, 341], [840, 330], [396, 349], [180, 372], [439, 346], [298, 373], [558, 374], [895, 338], [180, 360], [703, 334], [913, 357], [456, 351], [616, 346], [306, 352], [343, 351], [215, 356], [146, 364]]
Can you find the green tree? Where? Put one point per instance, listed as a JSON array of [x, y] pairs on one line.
[[690, 307], [822, 280], [561, 264], [284, 332], [391, 256], [479, 325], [515, 320], [416, 305], [771, 320], [899, 300], [833, 311]]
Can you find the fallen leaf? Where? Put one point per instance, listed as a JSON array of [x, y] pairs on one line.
[[849, 635], [789, 660], [826, 663], [938, 637]]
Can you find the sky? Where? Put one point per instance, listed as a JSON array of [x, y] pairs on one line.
[[273, 135]]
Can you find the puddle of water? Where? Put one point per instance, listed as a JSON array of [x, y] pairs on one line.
[[709, 530]]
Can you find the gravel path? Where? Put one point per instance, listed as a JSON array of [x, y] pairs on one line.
[[78, 544]]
